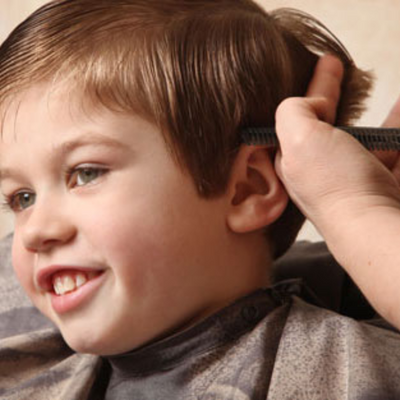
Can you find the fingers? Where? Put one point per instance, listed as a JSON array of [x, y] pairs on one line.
[[298, 118], [307, 115], [301, 133], [304, 125], [326, 83]]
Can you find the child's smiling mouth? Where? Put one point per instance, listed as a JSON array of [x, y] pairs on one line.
[[69, 281], [68, 286]]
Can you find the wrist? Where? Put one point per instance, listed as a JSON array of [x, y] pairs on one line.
[[367, 247], [360, 232], [342, 214]]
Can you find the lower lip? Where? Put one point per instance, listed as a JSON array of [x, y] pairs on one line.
[[71, 301]]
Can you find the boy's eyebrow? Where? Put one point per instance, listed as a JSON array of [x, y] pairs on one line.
[[5, 173], [87, 139]]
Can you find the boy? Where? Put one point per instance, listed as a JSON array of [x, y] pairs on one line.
[[143, 229]]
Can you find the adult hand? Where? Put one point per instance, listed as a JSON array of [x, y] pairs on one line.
[[326, 172], [351, 195]]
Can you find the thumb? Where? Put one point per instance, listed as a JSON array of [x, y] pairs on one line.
[[298, 125]]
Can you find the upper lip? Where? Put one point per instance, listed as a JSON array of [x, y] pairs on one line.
[[44, 276]]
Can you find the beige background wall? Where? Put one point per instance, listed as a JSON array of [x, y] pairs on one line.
[[370, 29]]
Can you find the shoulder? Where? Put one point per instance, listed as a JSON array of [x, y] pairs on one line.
[[39, 365], [308, 318], [327, 353]]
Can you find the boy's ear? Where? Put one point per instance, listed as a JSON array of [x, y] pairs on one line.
[[257, 197]]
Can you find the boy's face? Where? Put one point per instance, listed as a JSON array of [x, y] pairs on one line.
[[100, 203]]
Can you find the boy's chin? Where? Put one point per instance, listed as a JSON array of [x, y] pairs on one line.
[[91, 341], [85, 345], [93, 347], [99, 343]]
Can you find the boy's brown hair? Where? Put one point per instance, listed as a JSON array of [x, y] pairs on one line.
[[201, 70]]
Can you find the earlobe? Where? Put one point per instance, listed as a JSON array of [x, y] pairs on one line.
[[257, 197]]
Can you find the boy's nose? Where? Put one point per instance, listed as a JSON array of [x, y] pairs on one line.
[[45, 228]]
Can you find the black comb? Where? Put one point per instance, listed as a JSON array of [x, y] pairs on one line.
[[370, 138]]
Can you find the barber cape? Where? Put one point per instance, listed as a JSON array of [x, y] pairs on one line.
[[319, 354]]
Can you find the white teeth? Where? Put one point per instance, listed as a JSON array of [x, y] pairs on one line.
[[80, 280], [57, 284], [67, 283]]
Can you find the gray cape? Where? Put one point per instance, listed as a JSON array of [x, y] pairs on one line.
[[321, 354]]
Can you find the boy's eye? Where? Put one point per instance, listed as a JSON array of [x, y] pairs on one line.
[[84, 175], [20, 201]]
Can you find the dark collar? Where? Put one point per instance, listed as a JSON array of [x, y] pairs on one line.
[[225, 326]]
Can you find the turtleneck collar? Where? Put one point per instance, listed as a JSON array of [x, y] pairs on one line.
[[216, 330]]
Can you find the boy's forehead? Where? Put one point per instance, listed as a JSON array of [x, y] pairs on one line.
[[26, 104], [55, 106], [44, 112]]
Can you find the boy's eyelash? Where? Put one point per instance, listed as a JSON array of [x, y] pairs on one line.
[[69, 172], [9, 204], [6, 204]]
